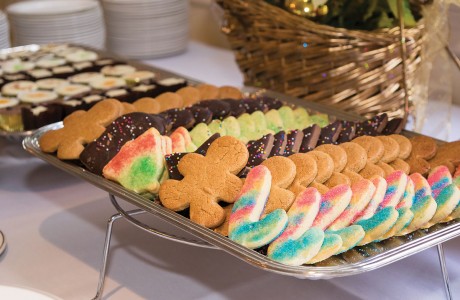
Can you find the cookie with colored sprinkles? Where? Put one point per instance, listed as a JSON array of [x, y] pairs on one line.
[[310, 138], [279, 144], [180, 118], [125, 128], [201, 114], [220, 109], [294, 141], [330, 133], [373, 126], [252, 105], [259, 150], [394, 126], [139, 164], [236, 107], [271, 103], [347, 133]]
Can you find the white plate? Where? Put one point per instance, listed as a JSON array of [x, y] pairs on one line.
[[17, 293], [50, 7]]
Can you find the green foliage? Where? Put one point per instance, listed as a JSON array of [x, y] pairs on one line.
[[365, 14]]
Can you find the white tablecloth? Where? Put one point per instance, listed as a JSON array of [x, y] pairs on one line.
[[55, 227]]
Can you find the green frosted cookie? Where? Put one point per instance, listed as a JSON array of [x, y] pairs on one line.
[[321, 119], [287, 115], [200, 134], [247, 127], [302, 118], [216, 127], [231, 126], [274, 121]]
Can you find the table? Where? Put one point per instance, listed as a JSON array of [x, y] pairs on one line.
[[55, 228]]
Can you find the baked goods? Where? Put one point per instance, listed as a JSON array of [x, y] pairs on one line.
[[363, 211], [283, 171], [53, 78], [299, 243], [138, 166], [125, 128], [79, 129], [207, 179], [245, 226]]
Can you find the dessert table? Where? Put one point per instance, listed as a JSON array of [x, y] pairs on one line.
[[54, 225]]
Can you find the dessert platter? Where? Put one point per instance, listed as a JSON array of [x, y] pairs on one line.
[[40, 85], [289, 186]]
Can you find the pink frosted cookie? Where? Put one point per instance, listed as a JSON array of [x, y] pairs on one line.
[[177, 143], [421, 186], [299, 243], [397, 182], [438, 179], [333, 203], [380, 189], [362, 192], [189, 145], [139, 165], [166, 145], [408, 196], [379, 224], [244, 226]]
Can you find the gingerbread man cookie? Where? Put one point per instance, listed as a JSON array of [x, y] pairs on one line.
[[80, 128], [207, 180]]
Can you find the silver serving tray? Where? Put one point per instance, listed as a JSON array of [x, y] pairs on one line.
[[159, 74], [355, 261]]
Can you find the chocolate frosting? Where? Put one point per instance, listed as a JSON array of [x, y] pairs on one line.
[[310, 138], [125, 128]]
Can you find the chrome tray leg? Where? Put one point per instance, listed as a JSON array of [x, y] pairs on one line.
[[445, 274], [2, 243], [102, 273]]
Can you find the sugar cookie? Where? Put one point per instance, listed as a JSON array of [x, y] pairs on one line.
[[244, 226], [299, 243]]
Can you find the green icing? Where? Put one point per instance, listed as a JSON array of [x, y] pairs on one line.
[[200, 133], [247, 126], [216, 127], [143, 172], [274, 121], [302, 118], [321, 119], [287, 115], [231, 126]]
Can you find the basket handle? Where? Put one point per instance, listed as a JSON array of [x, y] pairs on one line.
[[227, 22]]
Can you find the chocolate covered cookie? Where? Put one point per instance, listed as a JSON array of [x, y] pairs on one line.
[[126, 128]]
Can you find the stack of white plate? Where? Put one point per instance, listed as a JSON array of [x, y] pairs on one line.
[[57, 21], [146, 28], [4, 32]]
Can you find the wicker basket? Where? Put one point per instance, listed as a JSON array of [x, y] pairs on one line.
[[359, 71]]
